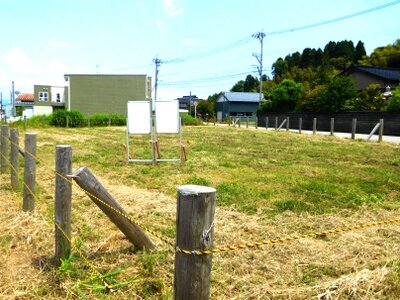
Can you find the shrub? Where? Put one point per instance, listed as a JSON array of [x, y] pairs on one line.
[[189, 120], [103, 120], [59, 118]]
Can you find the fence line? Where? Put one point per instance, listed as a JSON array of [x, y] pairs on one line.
[[286, 239], [178, 248]]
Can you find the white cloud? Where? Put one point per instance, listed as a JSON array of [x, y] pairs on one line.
[[18, 60], [59, 44], [171, 8], [189, 42]]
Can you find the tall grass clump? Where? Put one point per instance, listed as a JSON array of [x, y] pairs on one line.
[[104, 119], [59, 118], [189, 120]]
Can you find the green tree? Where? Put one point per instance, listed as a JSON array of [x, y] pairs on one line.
[[359, 51], [339, 90], [394, 101], [312, 99], [370, 99], [388, 56], [238, 87], [251, 84], [285, 95]]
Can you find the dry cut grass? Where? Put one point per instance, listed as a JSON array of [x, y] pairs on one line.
[[361, 264]]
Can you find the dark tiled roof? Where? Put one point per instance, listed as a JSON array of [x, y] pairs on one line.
[[25, 97], [386, 73]]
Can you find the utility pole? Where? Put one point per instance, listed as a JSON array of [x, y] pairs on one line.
[[13, 100], [260, 36], [158, 63]]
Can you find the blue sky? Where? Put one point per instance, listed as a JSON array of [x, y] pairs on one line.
[[210, 40]]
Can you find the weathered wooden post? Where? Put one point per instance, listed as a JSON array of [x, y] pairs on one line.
[[353, 128], [67, 121], [62, 209], [4, 149], [25, 123], [28, 203], [95, 190], [332, 125], [300, 124], [239, 122], [14, 158], [194, 231], [247, 122], [276, 123], [256, 125], [314, 125], [266, 123], [287, 123], [380, 130]]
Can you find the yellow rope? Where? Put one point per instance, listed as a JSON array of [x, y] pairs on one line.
[[229, 248]]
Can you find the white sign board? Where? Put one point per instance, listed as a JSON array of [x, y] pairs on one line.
[[167, 116], [139, 117]]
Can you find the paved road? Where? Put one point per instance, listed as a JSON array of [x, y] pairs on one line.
[[386, 138]]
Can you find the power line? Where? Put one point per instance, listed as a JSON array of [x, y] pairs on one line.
[[318, 24]]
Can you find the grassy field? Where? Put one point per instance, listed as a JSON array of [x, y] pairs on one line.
[[269, 185]]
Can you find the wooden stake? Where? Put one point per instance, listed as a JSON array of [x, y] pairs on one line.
[[87, 181], [194, 231], [62, 210]]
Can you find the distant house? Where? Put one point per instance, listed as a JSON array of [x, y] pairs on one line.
[[92, 93], [366, 75], [237, 104], [101, 93], [48, 98], [24, 104], [186, 102]]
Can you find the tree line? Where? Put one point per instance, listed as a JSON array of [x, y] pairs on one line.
[[309, 81]]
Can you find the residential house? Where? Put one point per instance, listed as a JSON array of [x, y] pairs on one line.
[[24, 104], [100, 93], [48, 98], [366, 75], [187, 102], [237, 104]]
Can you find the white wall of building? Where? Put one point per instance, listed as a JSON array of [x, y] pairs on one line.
[[42, 110]]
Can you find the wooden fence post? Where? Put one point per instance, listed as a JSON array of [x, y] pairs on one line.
[[380, 130], [95, 190], [314, 125], [4, 148], [194, 231], [14, 158], [300, 124], [332, 125], [29, 172], [256, 125], [276, 123], [287, 123], [353, 128], [247, 122], [25, 123], [266, 123], [67, 121], [239, 121], [62, 209]]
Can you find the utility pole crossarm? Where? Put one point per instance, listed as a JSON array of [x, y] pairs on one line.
[[260, 36]]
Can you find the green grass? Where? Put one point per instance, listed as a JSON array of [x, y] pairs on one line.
[[253, 171]]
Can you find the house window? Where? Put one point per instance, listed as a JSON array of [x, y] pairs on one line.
[[58, 97], [43, 96]]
